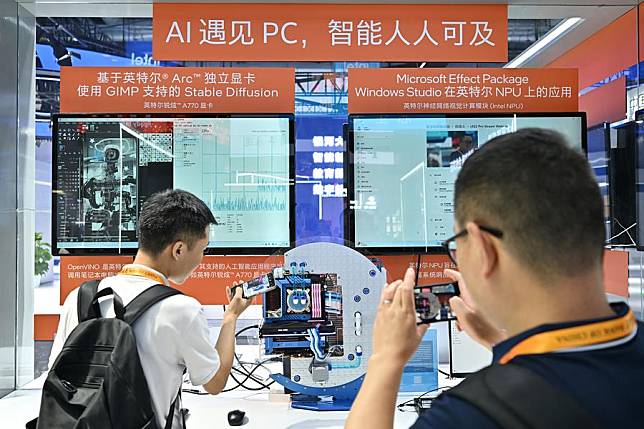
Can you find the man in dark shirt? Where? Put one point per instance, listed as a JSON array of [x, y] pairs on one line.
[[530, 235]]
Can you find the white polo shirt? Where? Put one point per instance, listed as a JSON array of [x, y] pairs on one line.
[[170, 336]]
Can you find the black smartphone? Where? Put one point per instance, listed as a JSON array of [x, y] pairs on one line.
[[432, 302], [256, 286]]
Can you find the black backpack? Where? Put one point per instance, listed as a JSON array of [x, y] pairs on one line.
[[97, 380], [516, 397]]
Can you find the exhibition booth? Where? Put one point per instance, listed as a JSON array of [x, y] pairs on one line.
[[326, 139]]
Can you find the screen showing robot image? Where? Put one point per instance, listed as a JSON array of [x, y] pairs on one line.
[[405, 166], [105, 168]]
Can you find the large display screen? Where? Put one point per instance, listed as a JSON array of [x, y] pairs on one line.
[[639, 181], [106, 167], [598, 153], [404, 167]]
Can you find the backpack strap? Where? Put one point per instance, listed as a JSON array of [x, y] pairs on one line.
[[119, 309], [516, 397], [84, 305], [173, 408], [135, 309], [147, 299]]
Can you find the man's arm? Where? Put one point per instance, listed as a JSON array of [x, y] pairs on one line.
[[395, 339], [226, 342], [374, 407]]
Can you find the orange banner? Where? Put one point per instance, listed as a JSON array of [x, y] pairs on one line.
[[76, 270], [471, 90], [207, 284], [330, 32], [209, 281], [430, 272], [45, 326], [177, 89], [616, 272]]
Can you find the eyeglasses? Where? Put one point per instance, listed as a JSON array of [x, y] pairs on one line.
[[450, 244]]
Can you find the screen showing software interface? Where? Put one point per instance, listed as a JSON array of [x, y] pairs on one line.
[[107, 168], [405, 169]]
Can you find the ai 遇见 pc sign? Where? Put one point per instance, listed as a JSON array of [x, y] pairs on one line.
[[330, 32]]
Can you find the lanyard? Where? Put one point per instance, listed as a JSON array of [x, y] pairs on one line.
[[131, 270], [577, 336]]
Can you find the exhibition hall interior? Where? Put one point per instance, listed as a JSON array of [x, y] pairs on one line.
[[326, 139]]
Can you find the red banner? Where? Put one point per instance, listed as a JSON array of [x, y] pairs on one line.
[[330, 32], [177, 89], [470, 90]]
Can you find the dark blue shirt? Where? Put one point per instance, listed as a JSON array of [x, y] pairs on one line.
[[608, 383]]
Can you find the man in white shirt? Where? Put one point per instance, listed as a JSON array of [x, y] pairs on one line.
[[173, 334]]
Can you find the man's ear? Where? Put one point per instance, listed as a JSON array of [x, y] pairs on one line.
[[178, 249], [484, 248]]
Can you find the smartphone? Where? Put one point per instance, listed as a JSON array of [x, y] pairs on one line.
[[432, 302], [256, 286]]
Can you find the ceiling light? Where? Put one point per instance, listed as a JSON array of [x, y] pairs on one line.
[[550, 37]]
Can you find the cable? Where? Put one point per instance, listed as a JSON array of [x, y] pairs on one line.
[[240, 383], [249, 375], [247, 328], [625, 231], [409, 401], [253, 377], [241, 369], [440, 371], [262, 385], [194, 392]]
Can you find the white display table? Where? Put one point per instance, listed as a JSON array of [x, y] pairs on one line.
[[209, 412]]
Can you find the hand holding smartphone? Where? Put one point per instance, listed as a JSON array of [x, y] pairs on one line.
[[432, 302], [256, 286]]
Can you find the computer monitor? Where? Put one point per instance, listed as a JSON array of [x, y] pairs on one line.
[[623, 178], [638, 136], [403, 168], [598, 155], [106, 166]]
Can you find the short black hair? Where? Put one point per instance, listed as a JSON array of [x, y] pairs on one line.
[[172, 215], [542, 194]]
